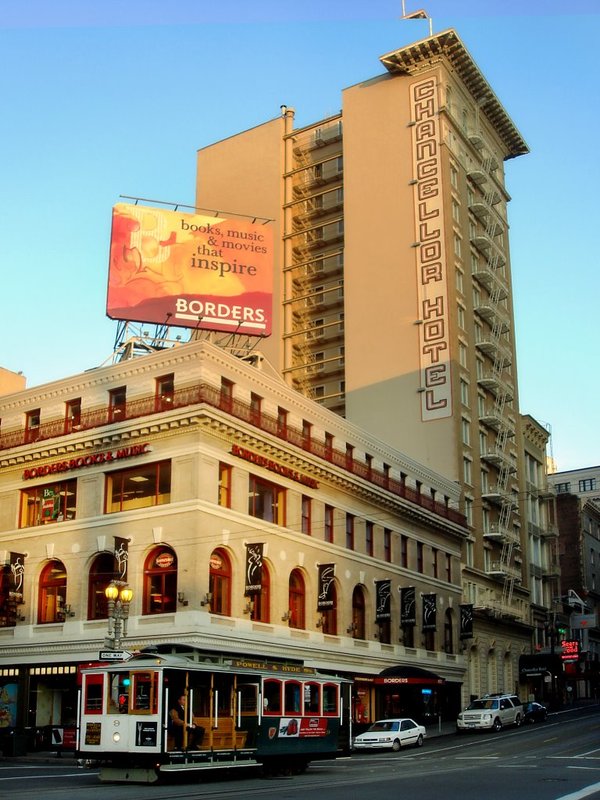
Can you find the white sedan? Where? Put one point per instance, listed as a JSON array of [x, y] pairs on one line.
[[391, 734]]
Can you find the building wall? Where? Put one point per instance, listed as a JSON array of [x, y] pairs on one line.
[[198, 432], [242, 175], [399, 205]]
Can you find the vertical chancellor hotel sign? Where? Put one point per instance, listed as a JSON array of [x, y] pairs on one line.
[[432, 278], [190, 270]]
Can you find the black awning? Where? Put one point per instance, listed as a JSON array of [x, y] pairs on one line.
[[408, 675], [536, 664]]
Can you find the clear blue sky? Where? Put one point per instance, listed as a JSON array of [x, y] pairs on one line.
[[103, 98]]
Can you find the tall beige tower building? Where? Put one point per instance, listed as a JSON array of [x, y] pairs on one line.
[[393, 300]]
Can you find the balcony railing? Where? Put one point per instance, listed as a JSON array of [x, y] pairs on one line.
[[211, 395]]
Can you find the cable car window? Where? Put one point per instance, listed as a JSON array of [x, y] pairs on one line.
[[248, 698], [272, 697], [292, 697], [94, 686], [312, 698], [118, 702], [330, 700], [144, 696]]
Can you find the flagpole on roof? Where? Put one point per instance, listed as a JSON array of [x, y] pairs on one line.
[[420, 14]]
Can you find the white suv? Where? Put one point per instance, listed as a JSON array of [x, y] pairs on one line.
[[491, 712]]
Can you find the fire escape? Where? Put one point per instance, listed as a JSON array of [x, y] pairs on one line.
[[314, 264], [493, 342]]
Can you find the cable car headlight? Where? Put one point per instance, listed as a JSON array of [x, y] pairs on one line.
[[116, 736]]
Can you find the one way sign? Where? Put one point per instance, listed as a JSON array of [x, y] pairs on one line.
[[114, 655]]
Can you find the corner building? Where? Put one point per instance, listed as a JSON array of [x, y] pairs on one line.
[[181, 462], [394, 297]]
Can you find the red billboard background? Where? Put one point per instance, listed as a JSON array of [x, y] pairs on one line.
[[190, 270]]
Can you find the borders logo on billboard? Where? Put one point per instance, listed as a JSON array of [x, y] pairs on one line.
[[190, 270]]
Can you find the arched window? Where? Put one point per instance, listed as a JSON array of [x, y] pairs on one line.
[[297, 600], [329, 617], [160, 581], [102, 571], [358, 613], [262, 600], [220, 582], [53, 593]]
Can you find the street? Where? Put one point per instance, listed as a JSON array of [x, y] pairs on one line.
[[557, 760]]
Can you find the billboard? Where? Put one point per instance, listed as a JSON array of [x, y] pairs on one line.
[[190, 270]]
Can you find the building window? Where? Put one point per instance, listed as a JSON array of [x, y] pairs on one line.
[[261, 601], [467, 471], [469, 553], [117, 404], [386, 476], [460, 317], [266, 500], [328, 524], [306, 434], [434, 562], [358, 613], [385, 631], [165, 392], [448, 568], [282, 417], [408, 635], [457, 246], [387, 544], [138, 487], [404, 551], [466, 431], [160, 581], [226, 398], [419, 556], [329, 617], [225, 485], [255, 408], [455, 211], [429, 640], [220, 582], [297, 599], [306, 515], [563, 488], [369, 537], [102, 572], [328, 445], [32, 425], [349, 456], [349, 531], [53, 502], [73, 415], [587, 485], [448, 632], [469, 510], [53, 593], [464, 393]]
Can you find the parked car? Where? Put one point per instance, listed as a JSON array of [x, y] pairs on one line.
[[534, 712], [391, 734], [491, 712]]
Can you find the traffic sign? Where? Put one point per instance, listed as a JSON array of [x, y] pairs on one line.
[[114, 655]]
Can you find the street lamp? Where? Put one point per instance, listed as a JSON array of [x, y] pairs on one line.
[[119, 596]]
